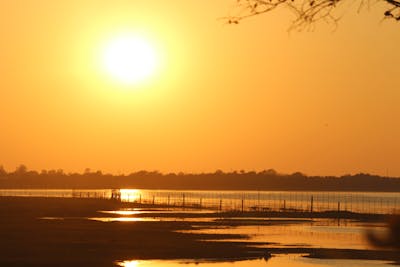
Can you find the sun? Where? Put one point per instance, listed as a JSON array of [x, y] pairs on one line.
[[130, 59]]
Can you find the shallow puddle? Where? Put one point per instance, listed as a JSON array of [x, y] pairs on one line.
[[291, 260], [318, 234]]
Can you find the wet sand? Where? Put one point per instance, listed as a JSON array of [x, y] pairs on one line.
[[28, 240]]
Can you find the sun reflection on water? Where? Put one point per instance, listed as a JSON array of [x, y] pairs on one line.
[[121, 219], [130, 195], [128, 263], [280, 260], [122, 212]]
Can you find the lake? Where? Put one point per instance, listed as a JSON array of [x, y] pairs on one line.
[[360, 202]]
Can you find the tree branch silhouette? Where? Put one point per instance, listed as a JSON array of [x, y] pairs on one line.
[[307, 12]]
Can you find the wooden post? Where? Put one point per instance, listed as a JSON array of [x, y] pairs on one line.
[[220, 204], [242, 204], [284, 205], [312, 204]]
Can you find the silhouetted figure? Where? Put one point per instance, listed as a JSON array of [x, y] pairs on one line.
[[391, 239], [267, 255]]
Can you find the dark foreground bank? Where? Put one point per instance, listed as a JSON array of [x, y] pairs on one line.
[[29, 240]]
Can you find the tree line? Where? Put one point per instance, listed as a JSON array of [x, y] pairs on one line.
[[270, 179]]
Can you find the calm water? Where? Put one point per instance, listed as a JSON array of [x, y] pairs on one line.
[[276, 261], [281, 233], [277, 232], [321, 233], [365, 202]]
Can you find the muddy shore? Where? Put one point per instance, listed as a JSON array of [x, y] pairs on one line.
[[71, 240]]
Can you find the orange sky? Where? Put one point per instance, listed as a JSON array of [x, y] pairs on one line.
[[226, 97]]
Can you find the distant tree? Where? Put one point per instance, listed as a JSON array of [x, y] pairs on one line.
[[298, 174], [2, 171], [269, 172], [218, 172], [307, 12], [21, 169], [251, 173], [52, 172]]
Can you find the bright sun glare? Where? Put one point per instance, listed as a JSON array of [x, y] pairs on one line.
[[129, 59]]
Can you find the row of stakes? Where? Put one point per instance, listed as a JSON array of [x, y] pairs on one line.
[[117, 195]]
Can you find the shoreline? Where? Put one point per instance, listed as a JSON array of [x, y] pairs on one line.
[[28, 240]]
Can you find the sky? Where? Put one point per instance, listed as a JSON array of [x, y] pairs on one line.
[[251, 96]]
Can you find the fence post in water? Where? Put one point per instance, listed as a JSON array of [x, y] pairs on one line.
[[220, 205], [312, 203], [242, 204]]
